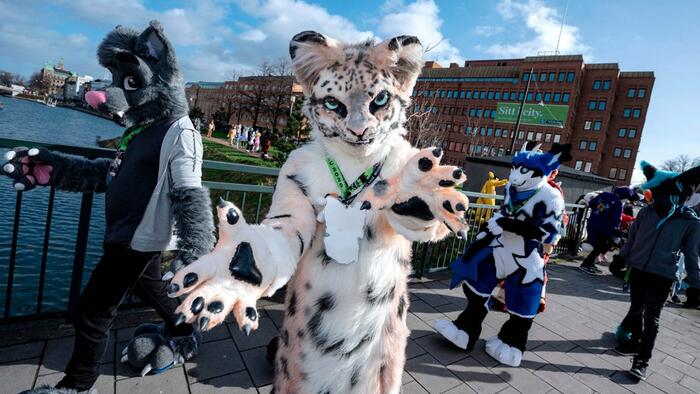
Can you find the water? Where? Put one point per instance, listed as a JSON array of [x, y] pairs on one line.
[[36, 122]]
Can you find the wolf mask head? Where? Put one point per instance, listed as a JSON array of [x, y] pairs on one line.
[[146, 80], [670, 190], [532, 167]]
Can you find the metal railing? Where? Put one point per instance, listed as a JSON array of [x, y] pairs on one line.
[[252, 199]]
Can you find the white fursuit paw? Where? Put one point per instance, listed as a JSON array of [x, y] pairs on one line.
[[503, 353], [453, 334]]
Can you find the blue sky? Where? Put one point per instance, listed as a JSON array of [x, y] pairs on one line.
[[215, 37]]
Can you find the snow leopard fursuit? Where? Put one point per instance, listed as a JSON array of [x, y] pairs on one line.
[[345, 327]]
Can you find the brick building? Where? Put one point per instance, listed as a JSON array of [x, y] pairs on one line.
[[53, 78], [602, 109], [260, 101]]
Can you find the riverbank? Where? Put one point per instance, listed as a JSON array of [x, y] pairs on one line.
[[84, 110]]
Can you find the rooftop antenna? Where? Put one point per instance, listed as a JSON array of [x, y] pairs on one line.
[[561, 28]]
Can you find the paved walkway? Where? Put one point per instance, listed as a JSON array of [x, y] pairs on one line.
[[569, 350]]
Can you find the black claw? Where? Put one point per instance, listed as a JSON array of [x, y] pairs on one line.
[[232, 216], [251, 313], [190, 279], [180, 319], [366, 205], [203, 323], [215, 307], [457, 174], [221, 203], [437, 152], [173, 288], [247, 329], [197, 305]]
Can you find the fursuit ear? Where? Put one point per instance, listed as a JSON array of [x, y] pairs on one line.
[[310, 53], [648, 170], [690, 178], [155, 48], [405, 57], [563, 150]]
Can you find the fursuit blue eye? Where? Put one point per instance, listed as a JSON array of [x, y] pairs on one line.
[[331, 103], [381, 99]]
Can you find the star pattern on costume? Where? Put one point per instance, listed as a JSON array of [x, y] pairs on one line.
[[532, 264]]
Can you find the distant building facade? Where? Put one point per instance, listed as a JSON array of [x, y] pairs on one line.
[[260, 101], [54, 78], [602, 109], [74, 87]]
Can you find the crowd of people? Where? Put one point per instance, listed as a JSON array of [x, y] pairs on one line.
[[243, 137]]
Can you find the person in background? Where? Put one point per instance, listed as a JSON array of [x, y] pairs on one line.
[[231, 134], [606, 210], [266, 144], [256, 142], [660, 233], [210, 128]]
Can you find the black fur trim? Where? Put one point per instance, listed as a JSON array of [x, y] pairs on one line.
[[76, 174], [299, 184], [525, 230], [194, 223]]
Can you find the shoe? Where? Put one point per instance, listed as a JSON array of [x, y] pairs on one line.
[[639, 369], [627, 349]]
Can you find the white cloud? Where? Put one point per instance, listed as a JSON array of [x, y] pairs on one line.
[[254, 35], [487, 31], [420, 18], [542, 24]]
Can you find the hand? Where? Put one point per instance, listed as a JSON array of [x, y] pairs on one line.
[[28, 167], [424, 191], [547, 248], [230, 278], [493, 226]]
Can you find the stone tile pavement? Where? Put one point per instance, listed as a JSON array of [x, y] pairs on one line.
[[569, 349]]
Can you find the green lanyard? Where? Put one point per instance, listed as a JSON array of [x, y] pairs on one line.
[[346, 191], [130, 134]]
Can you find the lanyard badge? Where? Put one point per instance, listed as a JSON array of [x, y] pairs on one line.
[[127, 137], [344, 220]]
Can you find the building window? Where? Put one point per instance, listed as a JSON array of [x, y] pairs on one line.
[[497, 133], [487, 112], [530, 135], [597, 125], [489, 131], [543, 77], [538, 97], [482, 131], [443, 93], [632, 133], [469, 94], [592, 145], [455, 93], [472, 112], [587, 168], [557, 138], [548, 137], [613, 173], [565, 97], [521, 134], [641, 92], [570, 76], [601, 105], [606, 84], [561, 77], [596, 85], [627, 153], [582, 145], [547, 97], [497, 96], [534, 77], [636, 113], [529, 96], [478, 112], [490, 95], [501, 152], [551, 77], [512, 96], [476, 95], [482, 94], [621, 133], [557, 97], [579, 165], [587, 125], [622, 175], [591, 105], [526, 77], [626, 112], [617, 152], [449, 94], [631, 92], [538, 137]]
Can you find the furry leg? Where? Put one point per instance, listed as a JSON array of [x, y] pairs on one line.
[[509, 345], [471, 319]]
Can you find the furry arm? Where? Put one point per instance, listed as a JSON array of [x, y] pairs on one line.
[[38, 166], [248, 261], [194, 224]]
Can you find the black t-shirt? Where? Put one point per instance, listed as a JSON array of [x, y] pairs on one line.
[[130, 190]]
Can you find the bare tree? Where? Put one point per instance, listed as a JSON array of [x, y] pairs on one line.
[[7, 78], [422, 123], [680, 163], [38, 84], [267, 94]]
